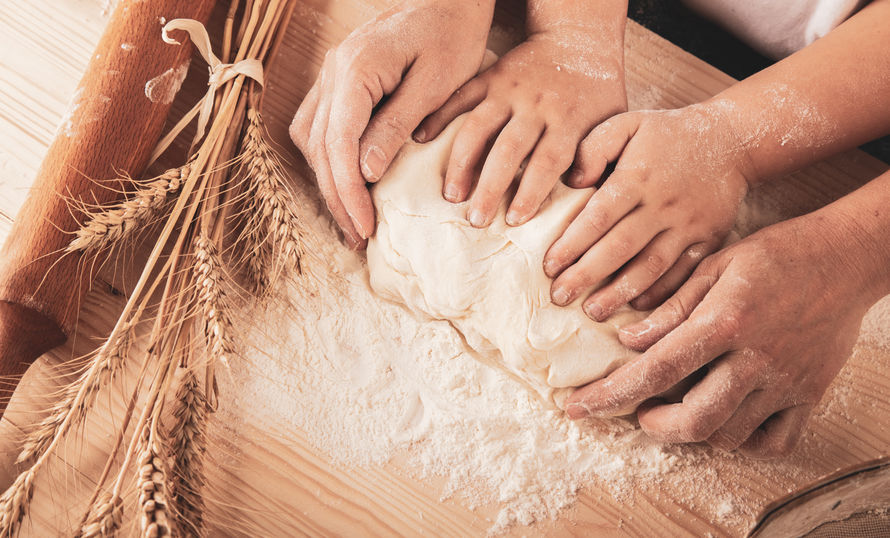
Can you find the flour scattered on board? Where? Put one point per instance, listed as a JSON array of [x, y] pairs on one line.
[[164, 87], [365, 381]]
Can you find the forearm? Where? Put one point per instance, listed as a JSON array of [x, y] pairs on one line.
[[829, 97], [591, 33], [857, 227]]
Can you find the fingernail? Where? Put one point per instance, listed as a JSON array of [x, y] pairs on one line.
[[577, 410], [372, 163], [476, 219], [420, 136], [636, 329], [358, 228], [594, 311], [514, 218], [550, 267], [561, 296], [452, 194], [575, 177]]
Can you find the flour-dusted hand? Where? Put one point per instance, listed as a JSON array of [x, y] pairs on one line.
[[768, 321], [537, 102], [415, 55], [677, 186]]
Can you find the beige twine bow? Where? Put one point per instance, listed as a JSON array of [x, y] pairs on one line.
[[220, 73]]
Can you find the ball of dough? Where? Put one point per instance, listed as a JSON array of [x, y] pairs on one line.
[[489, 283]]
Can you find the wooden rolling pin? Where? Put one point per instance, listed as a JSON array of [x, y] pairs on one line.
[[113, 128]]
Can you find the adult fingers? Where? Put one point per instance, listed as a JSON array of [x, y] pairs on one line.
[[318, 157], [671, 280], [671, 314], [706, 407], [351, 107], [757, 407], [605, 208], [302, 122], [639, 274], [624, 241], [779, 435], [603, 145], [511, 147], [464, 99], [391, 125], [549, 160], [675, 357], [470, 143]]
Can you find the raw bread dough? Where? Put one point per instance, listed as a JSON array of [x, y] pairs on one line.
[[489, 283]]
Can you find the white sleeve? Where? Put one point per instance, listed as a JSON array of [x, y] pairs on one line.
[[777, 28]]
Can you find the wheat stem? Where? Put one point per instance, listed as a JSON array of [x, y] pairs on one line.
[[102, 370]]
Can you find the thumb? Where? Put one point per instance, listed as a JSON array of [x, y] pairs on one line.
[[392, 124], [602, 146]]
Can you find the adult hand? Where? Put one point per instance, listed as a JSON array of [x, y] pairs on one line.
[[769, 321], [537, 102], [673, 197], [416, 55]]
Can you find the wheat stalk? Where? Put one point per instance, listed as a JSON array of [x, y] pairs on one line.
[[187, 448], [120, 221], [152, 485], [104, 519], [14, 502], [101, 371]]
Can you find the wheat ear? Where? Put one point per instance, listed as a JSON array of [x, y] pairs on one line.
[[152, 484], [104, 519], [211, 299], [101, 371], [187, 448], [13, 504], [275, 230], [121, 220]]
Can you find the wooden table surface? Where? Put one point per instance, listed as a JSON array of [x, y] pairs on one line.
[[271, 481]]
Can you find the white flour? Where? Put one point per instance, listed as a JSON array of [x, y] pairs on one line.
[[364, 381]]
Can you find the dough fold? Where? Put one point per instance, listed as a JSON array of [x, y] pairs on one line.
[[489, 283]]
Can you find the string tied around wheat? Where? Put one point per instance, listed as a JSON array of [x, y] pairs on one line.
[[220, 73]]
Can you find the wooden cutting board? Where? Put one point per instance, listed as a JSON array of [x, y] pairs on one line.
[[272, 481]]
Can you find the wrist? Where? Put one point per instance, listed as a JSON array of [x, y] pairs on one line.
[[855, 235]]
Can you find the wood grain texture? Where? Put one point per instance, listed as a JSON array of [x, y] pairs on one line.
[[271, 482], [111, 128]]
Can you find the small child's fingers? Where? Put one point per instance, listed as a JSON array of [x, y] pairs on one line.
[[603, 145], [605, 257], [481, 125], [671, 280], [549, 160], [511, 147], [638, 275], [605, 208], [464, 99]]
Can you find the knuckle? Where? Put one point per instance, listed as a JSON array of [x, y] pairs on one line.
[[394, 127], [654, 264], [551, 162]]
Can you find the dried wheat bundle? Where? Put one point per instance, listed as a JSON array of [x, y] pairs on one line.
[[232, 189]]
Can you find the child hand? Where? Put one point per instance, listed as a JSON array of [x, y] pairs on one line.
[[674, 195], [416, 54], [536, 102]]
